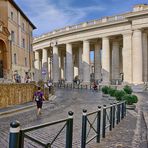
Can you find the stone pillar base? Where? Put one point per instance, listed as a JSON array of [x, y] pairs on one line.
[[138, 88], [68, 82], [85, 83], [105, 83]]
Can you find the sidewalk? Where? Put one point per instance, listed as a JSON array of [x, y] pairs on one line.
[[132, 132], [22, 107]]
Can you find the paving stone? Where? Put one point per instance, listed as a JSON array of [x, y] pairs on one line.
[[76, 101]]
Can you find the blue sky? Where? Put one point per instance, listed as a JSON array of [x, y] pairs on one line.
[[48, 15]]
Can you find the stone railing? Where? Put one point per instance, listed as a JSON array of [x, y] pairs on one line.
[[82, 25], [13, 94]]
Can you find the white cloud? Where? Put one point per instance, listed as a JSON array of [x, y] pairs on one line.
[[47, 16]]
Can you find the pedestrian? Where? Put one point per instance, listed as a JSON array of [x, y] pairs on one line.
[[39, 98], [49, 85], [95, 86]]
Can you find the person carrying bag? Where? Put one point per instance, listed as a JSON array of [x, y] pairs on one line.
[[39, 98]]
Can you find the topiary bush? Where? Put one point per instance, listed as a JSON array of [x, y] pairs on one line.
[[105, 89], [128, 89], [119, 95], [130, 99], [112, 91]]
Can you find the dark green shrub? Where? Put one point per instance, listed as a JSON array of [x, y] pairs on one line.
[[105, 89], [130, 99], [128, 89], [119, 95], [134, 98], [112, 91]]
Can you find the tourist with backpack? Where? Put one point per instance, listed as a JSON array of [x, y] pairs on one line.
[[39, 98]]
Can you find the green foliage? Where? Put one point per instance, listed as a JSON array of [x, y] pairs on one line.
[[105, 89], [134, 98], [119, 95], [112, 91], [128, 89], [130, 99]]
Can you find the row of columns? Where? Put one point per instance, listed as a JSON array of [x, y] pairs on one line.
[[107, 64]]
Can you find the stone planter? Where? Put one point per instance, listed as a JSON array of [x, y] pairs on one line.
[[105, 95], [112, 98], [131, 107]]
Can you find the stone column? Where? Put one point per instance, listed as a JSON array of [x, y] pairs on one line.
[[37, 75], [145, 56], [76, 63], [137, 57], [69, 63], [105, 60], [115, 61], [80, 63], [55, 64], [86, 62], [44, 65], [127, 57], [49, 67], [97, 61], [62, 66]]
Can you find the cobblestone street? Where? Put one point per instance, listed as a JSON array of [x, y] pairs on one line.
[[76, 101]]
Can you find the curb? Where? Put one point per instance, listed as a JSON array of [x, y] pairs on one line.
[[16, 110], [10, 111]]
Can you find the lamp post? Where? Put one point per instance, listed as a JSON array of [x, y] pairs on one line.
[[50, 62], [52, 43]]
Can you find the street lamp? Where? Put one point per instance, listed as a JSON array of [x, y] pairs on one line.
[[52, 43]]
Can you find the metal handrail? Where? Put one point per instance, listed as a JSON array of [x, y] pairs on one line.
[[23, 133], [115, 113], [85, 120], [42, 125]]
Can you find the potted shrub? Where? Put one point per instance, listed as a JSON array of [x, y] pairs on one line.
[[112, 91], [134, 98], [119, 94], [128, 89], [130, 100], [105, 91]]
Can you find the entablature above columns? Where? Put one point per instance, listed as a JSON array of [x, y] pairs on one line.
[[85, 35]]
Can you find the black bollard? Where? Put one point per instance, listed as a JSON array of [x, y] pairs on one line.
[[111, 117], [84, 129], [114, 114], [98, 124], [69, 130], [14, 134], [104, 121]]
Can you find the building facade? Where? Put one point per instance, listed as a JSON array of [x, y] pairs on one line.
[[120, 45], [16, 54]]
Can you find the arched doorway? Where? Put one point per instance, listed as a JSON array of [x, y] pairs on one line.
[[3, 58]]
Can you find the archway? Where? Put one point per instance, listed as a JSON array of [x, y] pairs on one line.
[[3, 59]]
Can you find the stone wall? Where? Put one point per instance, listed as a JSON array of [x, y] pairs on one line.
[[13, 94]]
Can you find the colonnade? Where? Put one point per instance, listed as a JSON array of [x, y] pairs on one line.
[[124, 54]]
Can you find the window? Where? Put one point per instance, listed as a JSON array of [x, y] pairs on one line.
[[15, 59], [12, 15], [25, 61], [23, 43], [12, 36]]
